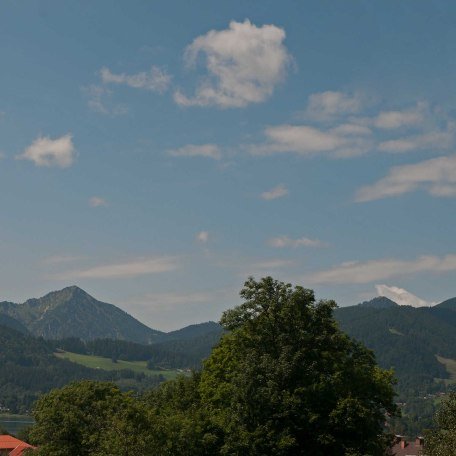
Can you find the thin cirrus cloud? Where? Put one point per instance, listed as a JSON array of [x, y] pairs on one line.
[[436, 176], [97, 201], [285, 241], [99, 100], [356, 272], [202, 150], [327, 105], [277, 192], [48, 152], [124, 270], [401, 296], [244, 63], [155, 80]]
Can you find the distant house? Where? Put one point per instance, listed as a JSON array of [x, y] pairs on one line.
[[10, 446], [402, 447]]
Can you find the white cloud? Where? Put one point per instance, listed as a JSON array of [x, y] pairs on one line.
[[135, 268], [327, 105], [285, 241], [397, 119], [202, 236], [155, 80], [401, 296], [97, 201], [436, 176], [443, 139], [375, 270], [277, 192], [346, 140], [191, 150], [244, 63], [45, 151]]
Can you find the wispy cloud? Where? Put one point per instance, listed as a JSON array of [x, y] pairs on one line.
[[134, 268], [155, 80], [327, 105], [436, 176], [44, 151], [97, 201], [244, 63], [345, 140], [99, 100], [376, 270], [203, 237], [402, 118], [434, 140], [277, 192], [192, 150], [401, 296], [285, 241]]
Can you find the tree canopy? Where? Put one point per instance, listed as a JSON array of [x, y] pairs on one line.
[[442, 440], [286, 380]]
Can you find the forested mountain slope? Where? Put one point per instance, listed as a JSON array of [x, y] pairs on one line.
[[72, 312], [405, 338]]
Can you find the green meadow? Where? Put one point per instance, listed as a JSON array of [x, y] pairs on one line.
[[98, 362]]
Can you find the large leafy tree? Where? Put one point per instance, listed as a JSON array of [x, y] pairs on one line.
[[442, 440], [90, 418], [286, 380]]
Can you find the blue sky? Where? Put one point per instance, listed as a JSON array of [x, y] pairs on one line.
[[158, 153]]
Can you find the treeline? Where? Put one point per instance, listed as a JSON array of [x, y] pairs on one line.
[[28, 368], [181, 354]]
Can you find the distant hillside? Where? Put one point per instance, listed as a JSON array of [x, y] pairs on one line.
[[407, 339], [404, 337], [72, 312], [9, 322], [191, 332]]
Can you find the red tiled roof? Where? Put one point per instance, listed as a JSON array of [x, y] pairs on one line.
[[19, 450], [8, 442]]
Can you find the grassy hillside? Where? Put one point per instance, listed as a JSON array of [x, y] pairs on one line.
[[98, 362]]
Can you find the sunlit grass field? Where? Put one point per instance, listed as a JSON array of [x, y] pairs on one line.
[[98, 362]]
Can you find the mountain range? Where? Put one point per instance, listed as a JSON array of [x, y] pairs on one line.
[[418, 343]]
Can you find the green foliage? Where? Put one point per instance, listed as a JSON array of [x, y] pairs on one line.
[[89, 418], [287, 381], [29, 369], [442, 440]]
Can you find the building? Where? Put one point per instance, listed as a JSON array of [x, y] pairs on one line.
[[10, 446], [402, 447]]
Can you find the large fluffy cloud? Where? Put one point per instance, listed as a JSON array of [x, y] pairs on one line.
[[45, 151], [437, 176], [244, 63]]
